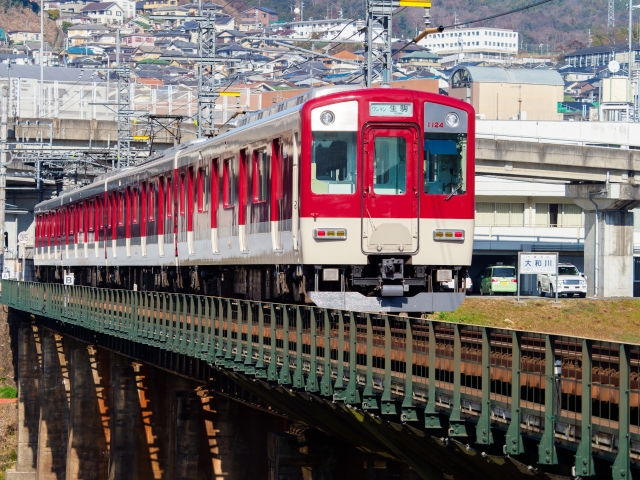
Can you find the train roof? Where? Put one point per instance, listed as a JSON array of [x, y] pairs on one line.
[[288, 106]]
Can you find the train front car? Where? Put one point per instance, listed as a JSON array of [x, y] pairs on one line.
[[387, 200]]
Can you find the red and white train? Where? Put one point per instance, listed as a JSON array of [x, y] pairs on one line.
[[347, 197]]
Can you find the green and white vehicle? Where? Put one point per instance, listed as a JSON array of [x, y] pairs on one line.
[[499, 279], [570, 282]]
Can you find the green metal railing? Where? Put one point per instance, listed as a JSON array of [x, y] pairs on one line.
[[527, 384]]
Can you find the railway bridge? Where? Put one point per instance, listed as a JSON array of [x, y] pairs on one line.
[[443, 400]]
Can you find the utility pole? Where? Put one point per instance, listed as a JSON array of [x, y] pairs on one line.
[[124, 108], [41, 114], [379, 14], [206, 91], [611, 15], [630, 63], [4, 161]]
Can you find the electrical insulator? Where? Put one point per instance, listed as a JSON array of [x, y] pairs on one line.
[[427, 16]]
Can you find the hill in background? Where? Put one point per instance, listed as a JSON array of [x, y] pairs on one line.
[[560, 26], [16, 15]]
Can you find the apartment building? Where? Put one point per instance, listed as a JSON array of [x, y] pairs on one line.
[[475, 43]]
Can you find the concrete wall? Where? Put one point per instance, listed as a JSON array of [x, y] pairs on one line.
[[501, 101], [615, 256], [572, 133]]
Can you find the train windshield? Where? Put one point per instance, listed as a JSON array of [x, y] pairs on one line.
[[445, 164], [390, 165], [333, 168]]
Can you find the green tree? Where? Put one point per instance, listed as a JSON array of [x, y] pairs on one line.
[[53, 14], [66, 26]]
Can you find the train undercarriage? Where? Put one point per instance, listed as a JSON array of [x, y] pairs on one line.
[[392, 279]]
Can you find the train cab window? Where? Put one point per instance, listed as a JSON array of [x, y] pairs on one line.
[[445, 164], [229, 184], [390, 166], [203, 189], [260, 162], [333, 167]]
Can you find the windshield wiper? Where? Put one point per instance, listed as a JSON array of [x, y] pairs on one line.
[[453, 192]]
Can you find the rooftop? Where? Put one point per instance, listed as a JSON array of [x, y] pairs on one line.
[[512, 75]]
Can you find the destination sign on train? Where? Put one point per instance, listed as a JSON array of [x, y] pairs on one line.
[[390, 109]]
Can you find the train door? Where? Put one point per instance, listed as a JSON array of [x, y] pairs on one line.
[[277, 173], [390, 189], [215, 201], [243, 201]]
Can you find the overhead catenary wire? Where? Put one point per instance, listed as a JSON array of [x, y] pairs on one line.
[[441, 28]]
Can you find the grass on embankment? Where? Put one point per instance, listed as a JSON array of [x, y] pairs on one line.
[[616, 320]]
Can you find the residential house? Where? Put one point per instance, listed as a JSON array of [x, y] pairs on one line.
[[173, 11], [259, 16], [345, 61], [137, 40], [21, 36], [83, 34], [147, 51], [150, 6], [419, 59], [106, 13], [186, 48], [14, 58], [230, 36]]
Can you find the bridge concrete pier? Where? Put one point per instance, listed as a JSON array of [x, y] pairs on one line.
[[608, 244], [186, 434], [89, 414], [87, 451], [54, 411], [29, 375]]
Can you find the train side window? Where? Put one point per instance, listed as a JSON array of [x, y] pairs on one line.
[[169, 200], [143, 208], [203, 189], [80, 217], [121, 209], [160, 200], [91, 216], [108, 210], [135, 210], [151, 203], [260, 177], [182, 194], [445, 164], [229, 184], [333, 167]]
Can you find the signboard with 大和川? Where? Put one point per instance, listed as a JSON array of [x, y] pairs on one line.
[[533, 263]]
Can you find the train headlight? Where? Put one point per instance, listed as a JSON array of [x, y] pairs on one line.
[[452, 120], [327, 117]]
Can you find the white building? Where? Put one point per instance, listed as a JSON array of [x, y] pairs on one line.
[[337, 28], [476, 43]]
